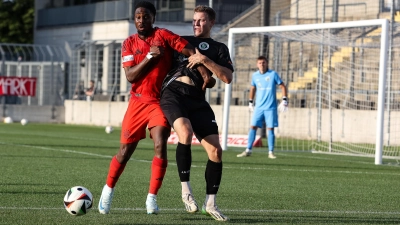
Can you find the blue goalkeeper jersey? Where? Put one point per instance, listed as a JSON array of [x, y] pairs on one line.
[[265, 89]]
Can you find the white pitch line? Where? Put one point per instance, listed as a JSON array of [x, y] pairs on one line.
[[197, 166], [227, 210]]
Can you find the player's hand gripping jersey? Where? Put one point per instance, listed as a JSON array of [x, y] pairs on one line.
[[216, 51], [134, 50]]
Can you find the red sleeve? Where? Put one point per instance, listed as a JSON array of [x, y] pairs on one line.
[[127, 56], [174, 40]]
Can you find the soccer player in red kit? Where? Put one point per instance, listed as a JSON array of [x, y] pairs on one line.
[[146, 58]]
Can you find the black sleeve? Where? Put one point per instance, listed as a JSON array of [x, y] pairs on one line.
[[224, 58]]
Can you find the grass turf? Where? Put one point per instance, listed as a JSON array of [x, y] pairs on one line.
[[40, 162]]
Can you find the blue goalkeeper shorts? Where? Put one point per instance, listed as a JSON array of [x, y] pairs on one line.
[[269, 116]]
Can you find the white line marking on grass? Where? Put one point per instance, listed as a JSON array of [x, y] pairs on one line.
[[227, 210], [196, 166], [61, 137], [316, 171]]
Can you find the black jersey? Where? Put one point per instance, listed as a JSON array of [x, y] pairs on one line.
[[214, 50]]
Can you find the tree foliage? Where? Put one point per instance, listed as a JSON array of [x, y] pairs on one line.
[[16, 21]]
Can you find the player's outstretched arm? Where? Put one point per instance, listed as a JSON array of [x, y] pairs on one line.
[[221, 72]]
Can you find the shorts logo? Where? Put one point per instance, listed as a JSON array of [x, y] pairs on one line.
[[127, 58], [204, 45]]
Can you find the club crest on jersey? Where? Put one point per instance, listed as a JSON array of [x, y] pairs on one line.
[[267, 79], [204, 46]]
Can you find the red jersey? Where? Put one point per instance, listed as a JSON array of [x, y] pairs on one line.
[[134, 49]]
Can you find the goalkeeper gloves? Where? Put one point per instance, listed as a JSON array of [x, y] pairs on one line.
[[251, 105], [283, 106]]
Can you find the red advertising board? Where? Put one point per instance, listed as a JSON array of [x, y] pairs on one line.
[[19, 86]]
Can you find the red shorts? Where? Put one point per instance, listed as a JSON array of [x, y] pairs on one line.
[[138, 116]]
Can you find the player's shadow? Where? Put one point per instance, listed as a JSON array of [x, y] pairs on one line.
[[312, 219]]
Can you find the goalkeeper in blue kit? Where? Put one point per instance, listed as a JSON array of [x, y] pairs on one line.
[[263, 86]]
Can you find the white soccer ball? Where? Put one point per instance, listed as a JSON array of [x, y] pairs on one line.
[[78, 200], [8, 120], [24, 122], [109, 129]]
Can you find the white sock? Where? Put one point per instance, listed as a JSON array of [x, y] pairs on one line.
[[248, 150], [149, 195], [210, 200], [109, 189], [186, 188]]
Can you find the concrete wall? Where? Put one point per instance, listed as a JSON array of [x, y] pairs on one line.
[[353, 126], [34, 113], [94, 112]]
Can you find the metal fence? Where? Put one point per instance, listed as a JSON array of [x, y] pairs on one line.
[[100, 62], [49, 64]]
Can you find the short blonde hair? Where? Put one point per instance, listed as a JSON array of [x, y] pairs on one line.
[[203, 8]]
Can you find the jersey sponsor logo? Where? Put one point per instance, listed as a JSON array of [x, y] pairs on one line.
[[204, 46], [127, 58]]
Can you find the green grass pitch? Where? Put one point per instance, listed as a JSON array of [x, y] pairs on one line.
[[40, 162]]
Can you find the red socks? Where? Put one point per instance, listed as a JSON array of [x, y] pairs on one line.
[[158, 170], [114, 172]]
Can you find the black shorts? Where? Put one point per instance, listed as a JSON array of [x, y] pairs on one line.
[[182, 100]]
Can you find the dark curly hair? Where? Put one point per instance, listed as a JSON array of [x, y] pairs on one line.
[[146, 5]]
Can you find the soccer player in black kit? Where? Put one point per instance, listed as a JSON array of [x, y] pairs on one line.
[[183, 103]]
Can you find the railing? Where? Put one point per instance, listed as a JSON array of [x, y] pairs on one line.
[[46, 63], [278, 15]]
